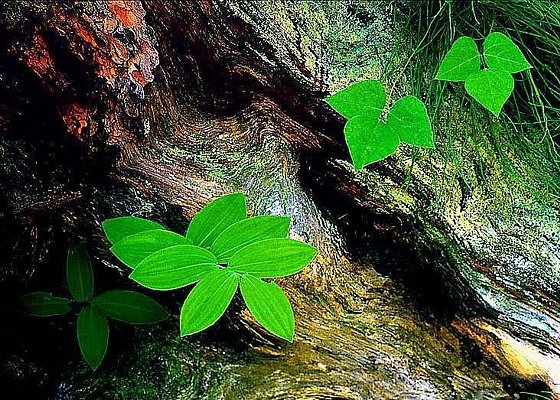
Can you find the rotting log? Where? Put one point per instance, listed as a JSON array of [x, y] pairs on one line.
[[424, 288]]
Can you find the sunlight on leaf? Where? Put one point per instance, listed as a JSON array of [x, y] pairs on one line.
[[501, 53], [135, 248], [409, 119], [247, 231], [272, 258], [116, 229], [369, 140], [174, 267], [216, 216], [491, 88], [269, 305], [207, 302], [461, 61], [361, 98]]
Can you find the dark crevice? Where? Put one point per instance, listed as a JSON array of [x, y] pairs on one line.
[[391, 242]]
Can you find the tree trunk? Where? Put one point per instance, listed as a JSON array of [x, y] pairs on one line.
[[424, 287]]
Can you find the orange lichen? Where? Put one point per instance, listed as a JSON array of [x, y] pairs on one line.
[[38, 57], [76, 117], [130, 14], [138, 77], [84, 33]]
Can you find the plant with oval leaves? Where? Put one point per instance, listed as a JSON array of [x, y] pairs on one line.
[[92, 327], [490, 86], [222, 251], [370, 139]]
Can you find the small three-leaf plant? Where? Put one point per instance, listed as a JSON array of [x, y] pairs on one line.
[[492, 85], [221, 251], [368, 138], [92, 327]]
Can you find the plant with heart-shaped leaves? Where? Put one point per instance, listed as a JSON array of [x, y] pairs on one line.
[[222, 251], [93, 327], [492, 85], [370, 139]]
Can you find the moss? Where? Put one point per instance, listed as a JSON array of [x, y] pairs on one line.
[[158, 365]]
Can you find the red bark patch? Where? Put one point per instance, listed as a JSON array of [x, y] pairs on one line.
[[38, 58], [129, 13]]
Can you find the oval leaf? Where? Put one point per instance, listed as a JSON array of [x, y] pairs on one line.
[[216, 216], [116, 229], [130, 307], [461, 61], [43, 304], [361, 98], [491, 88], [501, 53], [79, 273], [93, 336], [409, 119], [369, 140], [272, 258], [208, 300], [135, 248], [174, 267], [269, 305], [248, 231]]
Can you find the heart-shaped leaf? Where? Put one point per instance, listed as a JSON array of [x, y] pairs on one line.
[[93, 335], [361, 98], [79, 274], [208, 300], [43, 304], [491, 88], [369, 140], [247, 231], [409, 119], [174, 267], [501, 53], [130, 307], [461, 61], [269, 305], [216, 216], [272, 258], [116, 229], [135, 248]]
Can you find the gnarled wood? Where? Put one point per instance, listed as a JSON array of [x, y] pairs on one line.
[[157, 107]]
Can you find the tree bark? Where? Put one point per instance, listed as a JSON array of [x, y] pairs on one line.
[[424, 287]]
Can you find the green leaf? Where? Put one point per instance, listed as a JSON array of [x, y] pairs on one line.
[[501, 53], [269, 305], [174, 267], [491, 88], [208, 300], [130, 307], [216, 216], [361, 98], [409, 119], [44, 304], [272, 258], [117, 229], [79, 273], [369, 140], [248, 231], [93, 336], [135, 248], [461, 61]]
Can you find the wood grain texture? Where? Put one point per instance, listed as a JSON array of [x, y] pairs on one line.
[[422, 289]]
